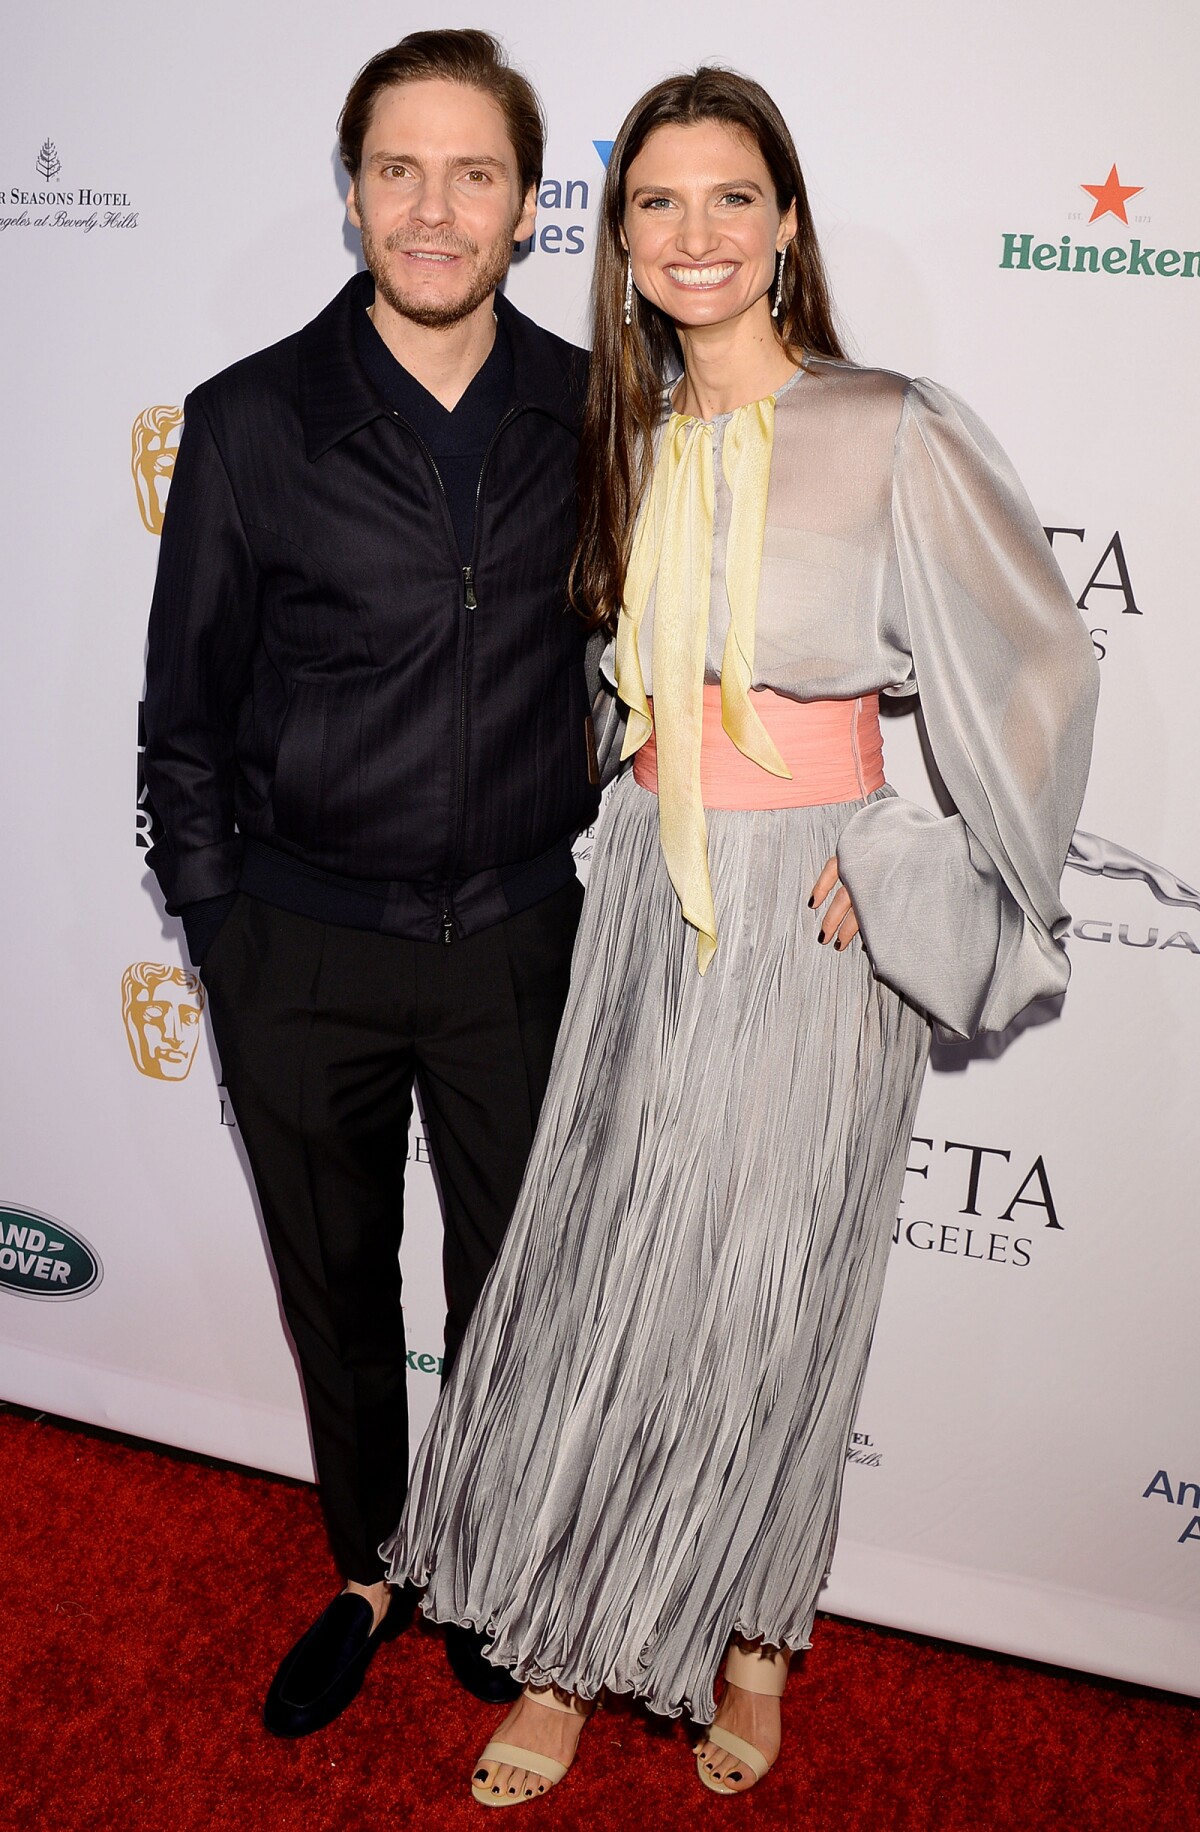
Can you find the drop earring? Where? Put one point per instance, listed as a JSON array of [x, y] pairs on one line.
[[775, 309], [629, 292]]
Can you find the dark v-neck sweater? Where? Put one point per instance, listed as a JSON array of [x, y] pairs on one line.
[[457, 440]]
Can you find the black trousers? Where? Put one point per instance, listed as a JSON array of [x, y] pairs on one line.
[[322, 1032]]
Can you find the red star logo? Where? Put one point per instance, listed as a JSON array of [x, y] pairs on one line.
[[1111, 196]]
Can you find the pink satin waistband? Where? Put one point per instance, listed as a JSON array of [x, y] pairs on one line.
[[833, 748]]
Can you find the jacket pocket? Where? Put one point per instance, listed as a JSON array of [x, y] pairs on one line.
[[299, 764]]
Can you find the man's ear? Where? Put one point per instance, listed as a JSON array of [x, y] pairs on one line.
[[524, 226], [352, 204]]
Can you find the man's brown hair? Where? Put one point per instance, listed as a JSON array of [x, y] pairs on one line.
[[475, 59]]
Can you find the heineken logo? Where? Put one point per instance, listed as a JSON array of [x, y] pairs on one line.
[[1110, 198], [39, 1258], [1065, 254], [1067, 257]]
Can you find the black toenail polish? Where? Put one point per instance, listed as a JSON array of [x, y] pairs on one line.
[[736, 1775], [481, 1774]]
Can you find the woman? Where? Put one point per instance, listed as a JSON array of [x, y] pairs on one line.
[[635, 1471]]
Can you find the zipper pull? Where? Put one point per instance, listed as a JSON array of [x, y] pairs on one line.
[[469, 598], [447, 928]]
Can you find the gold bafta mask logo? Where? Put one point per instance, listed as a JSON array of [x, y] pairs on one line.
[[155, 442], [161, 1007]]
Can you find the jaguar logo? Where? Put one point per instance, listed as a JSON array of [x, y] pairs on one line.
[[1088, 852]]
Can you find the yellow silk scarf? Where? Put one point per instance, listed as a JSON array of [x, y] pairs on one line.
[[672, 551]]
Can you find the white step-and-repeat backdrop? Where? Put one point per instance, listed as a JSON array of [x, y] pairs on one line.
[[1009, 202]]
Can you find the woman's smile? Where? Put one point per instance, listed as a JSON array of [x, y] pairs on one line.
[[706, 278]]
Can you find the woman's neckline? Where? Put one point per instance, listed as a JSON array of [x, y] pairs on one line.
[[718, 419]]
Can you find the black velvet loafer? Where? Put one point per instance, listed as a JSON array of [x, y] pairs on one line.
[[464, 1651], [319, 1676]]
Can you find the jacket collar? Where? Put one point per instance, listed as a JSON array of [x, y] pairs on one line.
[[336, 399], [548, 374]]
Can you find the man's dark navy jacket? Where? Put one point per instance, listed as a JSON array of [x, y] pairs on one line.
[[335, 704]]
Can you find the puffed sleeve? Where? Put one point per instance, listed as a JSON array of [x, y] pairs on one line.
[[962, 915]]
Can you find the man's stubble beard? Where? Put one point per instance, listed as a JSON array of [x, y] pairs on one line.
[[495, 264]]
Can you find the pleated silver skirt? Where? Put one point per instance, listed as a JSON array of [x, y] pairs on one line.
[[640, 1452]]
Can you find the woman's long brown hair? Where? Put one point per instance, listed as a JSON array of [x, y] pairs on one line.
[[630, 363]]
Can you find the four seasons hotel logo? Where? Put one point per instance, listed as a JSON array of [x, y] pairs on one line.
[[60, 201], [1069, 254]]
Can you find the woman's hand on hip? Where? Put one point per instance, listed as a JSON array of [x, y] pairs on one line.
[[839, 924]]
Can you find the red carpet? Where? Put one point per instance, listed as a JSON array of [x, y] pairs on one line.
[[149, 1596]]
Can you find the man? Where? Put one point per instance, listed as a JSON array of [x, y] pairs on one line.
[[368, 742]]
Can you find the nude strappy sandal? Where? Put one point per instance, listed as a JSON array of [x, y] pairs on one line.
[[528, 1759], [754, 1670]]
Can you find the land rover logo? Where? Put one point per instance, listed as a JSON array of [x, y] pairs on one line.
[[39, 1258]]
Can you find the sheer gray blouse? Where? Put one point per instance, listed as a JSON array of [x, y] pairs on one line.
[[902, 554]]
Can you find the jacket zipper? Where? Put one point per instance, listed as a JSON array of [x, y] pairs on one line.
[[469, 604]]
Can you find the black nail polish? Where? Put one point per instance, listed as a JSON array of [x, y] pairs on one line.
[[820, 934], [735, 1776], [812, 903], [481, 1774]]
